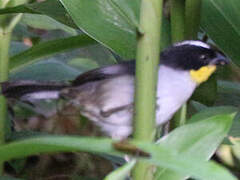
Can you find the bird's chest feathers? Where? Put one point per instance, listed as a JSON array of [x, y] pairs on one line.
[[174, 88]]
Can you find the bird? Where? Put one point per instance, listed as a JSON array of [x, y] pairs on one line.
[[106, 95]]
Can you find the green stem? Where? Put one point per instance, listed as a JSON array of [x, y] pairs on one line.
[[5, 38], [179, 117], [192, 18], [177, 20], [4, 46], [178, 33], [146, 78]]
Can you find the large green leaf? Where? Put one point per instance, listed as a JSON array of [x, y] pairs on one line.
[[48, 48], [198, 168], [213, 111], [111, 22], [50, 70], [161, 155], [52, 8], [220, 20], [199, 139]]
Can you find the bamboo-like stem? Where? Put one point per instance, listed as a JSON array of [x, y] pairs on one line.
[[189, 16], [192, 18], [4, 46], [6, 28], [177, 20], [178, 34], [148, 50]]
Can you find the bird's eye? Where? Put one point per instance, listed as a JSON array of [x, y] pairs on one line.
[[203, 57]]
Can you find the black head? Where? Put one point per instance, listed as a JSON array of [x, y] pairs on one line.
[[189, 55]]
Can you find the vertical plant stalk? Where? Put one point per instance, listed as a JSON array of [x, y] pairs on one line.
[[6, 27], [180, 117], [192, 18], [178, 34], [177, 20], [148, 50], [4, 46], [189, 15]]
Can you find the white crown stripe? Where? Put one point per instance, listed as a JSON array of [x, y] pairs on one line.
[[194, 43]]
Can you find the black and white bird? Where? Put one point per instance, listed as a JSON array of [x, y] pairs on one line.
[[106, 95]]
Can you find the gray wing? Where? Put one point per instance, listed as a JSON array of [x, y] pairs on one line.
[[106, 100], [107, 72]]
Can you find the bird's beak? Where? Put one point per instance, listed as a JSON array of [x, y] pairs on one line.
[[220, 60]]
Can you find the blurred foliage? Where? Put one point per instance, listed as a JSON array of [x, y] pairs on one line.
[[60, 39]]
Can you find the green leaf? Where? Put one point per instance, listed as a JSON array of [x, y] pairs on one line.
[[129, 9], [220, 20], [120, 19], [52, 8], [51, 70], [122, 172], [45, 22], [191, 165], [160, 155], [200, 139], [48, 48], [110, 22], [48, 144], [212, 111]]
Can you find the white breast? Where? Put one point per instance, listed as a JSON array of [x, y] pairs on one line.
[[174, 88]]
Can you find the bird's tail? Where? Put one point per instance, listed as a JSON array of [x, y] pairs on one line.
[[28, 90]]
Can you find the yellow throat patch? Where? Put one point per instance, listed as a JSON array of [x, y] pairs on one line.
[[201, 75]]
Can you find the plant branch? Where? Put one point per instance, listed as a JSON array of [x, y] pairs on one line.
[[5, 38], [178, 33], [4, 46], [146, 77]]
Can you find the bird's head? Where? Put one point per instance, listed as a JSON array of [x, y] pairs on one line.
[[197, 57]]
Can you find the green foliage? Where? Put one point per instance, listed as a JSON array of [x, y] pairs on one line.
[[161, 154], [119, 21], [220, 21], [189, 139], [48, 48], [72, 36]]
